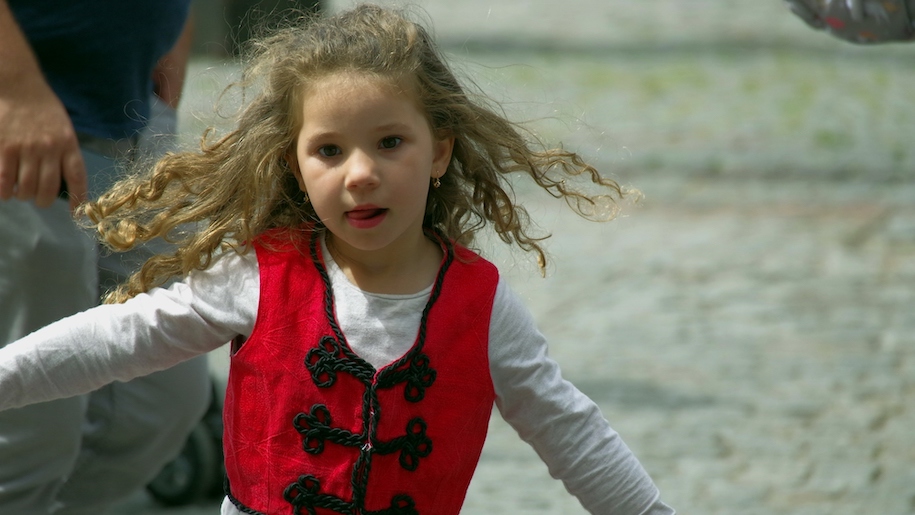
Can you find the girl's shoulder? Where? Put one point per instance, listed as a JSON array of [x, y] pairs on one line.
[[284, 239], [473, 260]]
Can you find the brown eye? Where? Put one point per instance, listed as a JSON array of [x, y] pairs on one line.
[[329, 150], [390, 142]]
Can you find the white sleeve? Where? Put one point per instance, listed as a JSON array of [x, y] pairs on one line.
[[565, 428], [119, 342]]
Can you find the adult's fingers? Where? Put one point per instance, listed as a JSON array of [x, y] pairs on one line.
[[48, 187], [9, 172], [28, 178], [36, 174], [37, 145], [74, 175]]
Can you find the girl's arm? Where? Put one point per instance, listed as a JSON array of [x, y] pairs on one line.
[[119, 342], [562, 424]]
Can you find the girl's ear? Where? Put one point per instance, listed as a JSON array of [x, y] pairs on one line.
[[293, 165], [442, 157]]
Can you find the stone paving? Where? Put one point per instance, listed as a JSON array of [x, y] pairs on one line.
[[748, 327]]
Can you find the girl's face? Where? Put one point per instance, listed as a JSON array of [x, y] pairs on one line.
[[365, 155]]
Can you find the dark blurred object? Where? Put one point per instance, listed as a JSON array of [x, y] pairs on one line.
[[223, 26], [244, 15], [859, 21]]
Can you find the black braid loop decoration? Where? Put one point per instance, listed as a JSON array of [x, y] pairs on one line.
[[412, 446], [417, 377], [315, 427], [305, 494], [332, 356]]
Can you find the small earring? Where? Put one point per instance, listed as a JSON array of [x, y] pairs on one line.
[[436, 182]]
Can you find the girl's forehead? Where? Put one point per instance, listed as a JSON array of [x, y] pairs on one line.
[[347, 87], [354, 82], [344, 97]]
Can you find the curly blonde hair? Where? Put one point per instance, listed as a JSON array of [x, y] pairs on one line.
[[240, 185]]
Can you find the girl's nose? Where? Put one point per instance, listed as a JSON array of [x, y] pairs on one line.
[[361, 171]]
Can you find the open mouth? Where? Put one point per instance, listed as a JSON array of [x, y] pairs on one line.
[[364, 218]]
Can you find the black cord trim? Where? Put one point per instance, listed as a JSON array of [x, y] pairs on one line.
[[238, 504], [329, 307], [328, 358], [421, 375]]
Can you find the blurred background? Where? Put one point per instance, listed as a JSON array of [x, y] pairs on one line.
[[748, 327]]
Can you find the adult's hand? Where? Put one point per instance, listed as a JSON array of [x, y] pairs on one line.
[[38, 149], [38, 145]]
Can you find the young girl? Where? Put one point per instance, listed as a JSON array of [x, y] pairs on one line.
[[326, 238]]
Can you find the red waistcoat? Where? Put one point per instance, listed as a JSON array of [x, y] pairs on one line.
[[311, 428]]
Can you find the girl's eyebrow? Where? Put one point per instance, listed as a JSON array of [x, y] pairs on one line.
[[387, 127], [322, 134]]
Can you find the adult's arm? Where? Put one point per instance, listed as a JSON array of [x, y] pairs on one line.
[[170, 71], [38, 144]]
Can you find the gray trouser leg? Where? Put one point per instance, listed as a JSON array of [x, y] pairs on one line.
[[47, 271], [131, 430]]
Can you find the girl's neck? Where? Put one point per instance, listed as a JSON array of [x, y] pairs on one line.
[[382, 272]]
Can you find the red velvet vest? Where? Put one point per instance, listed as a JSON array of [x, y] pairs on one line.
[[311, 428]]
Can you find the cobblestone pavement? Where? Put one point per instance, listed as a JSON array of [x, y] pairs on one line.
[[748, 329]]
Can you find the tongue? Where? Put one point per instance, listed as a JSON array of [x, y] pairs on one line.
[[365, 214]]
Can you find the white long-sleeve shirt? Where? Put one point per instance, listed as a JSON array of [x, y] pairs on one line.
[[159, 329]]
